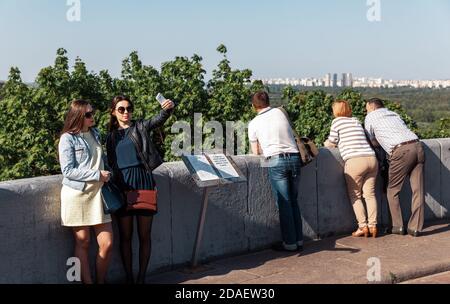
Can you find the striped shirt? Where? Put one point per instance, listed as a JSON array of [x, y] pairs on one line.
[[348, 134], [388, 129]]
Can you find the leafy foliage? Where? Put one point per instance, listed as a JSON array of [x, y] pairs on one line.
[[34, 115], [311, 111]]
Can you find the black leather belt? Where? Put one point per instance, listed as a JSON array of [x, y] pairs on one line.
[[284, 155]]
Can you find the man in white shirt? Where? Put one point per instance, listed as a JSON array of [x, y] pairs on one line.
[[270, 134]]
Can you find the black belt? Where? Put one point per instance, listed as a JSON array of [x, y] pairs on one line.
[[404, 144], [283, 155]]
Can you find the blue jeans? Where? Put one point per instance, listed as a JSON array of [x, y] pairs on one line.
[[284, 175]]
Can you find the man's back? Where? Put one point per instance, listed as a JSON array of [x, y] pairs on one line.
[[273, 132], [388, 128]]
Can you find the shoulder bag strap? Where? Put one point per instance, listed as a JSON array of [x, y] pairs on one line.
[[289, 121]]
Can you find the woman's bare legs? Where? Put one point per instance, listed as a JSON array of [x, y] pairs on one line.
[[104, 234], [82, 240]]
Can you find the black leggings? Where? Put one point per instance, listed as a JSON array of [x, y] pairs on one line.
[[145, 245]]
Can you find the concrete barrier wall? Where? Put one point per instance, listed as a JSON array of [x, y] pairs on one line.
[[240, 218]]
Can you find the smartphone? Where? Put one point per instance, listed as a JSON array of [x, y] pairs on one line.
[[160, 98]]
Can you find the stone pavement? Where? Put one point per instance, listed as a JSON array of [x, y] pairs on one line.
[[333, 260], [440, 278]]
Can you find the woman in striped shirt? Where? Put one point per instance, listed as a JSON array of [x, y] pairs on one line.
[[361, 166]]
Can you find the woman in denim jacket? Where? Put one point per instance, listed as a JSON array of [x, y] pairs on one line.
[[82, 166]]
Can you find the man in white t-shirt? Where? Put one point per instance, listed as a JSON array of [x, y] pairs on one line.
[[270, 134]]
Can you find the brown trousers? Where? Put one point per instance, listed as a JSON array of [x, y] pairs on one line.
[[407, 160]]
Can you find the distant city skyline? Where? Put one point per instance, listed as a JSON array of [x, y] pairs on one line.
[[333, 80], [349, 80], [273, 39], [339, 75]]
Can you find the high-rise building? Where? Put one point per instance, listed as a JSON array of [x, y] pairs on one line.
[[335, 80], [347, 80], [344, 80], [327, 80]]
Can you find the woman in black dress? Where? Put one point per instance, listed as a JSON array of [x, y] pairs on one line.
[[133, 156]]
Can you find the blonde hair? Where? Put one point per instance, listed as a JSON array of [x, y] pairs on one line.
[[341, 108]]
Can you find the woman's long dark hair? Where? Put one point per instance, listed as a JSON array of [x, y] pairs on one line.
[[74, 121], [113, 122]]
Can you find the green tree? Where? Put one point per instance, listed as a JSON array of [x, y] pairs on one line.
[[34, 115], [15, 117], [312, 114], [183, 82]]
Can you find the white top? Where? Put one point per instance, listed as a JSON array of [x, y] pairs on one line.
[[348, 134], [273, 132], [388, 128]]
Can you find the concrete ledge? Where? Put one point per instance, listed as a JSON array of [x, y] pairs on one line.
[[241, 218]]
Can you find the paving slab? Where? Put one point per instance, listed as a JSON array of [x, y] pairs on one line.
[[440, 278], [334, 260]]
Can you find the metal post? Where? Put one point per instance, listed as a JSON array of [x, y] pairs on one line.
[[201, 224]]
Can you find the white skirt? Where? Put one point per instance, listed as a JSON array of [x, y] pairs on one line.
[[83, 208]]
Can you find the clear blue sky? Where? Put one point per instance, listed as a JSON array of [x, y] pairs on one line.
[[290, 38]]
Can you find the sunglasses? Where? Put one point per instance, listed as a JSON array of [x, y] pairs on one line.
[[121, 110], [89, 115]]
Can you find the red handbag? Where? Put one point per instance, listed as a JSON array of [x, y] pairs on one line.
[[142, 200]]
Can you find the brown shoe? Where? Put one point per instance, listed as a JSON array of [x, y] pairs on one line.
[[373, 231], [361, 232]]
